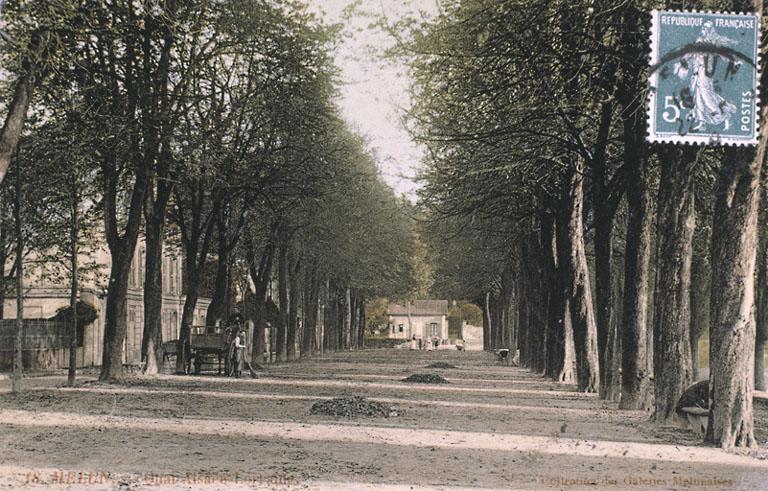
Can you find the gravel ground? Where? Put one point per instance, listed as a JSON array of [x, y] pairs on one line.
[[491, 427]]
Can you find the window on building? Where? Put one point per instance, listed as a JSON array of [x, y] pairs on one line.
[[433, 329], [142, 268], [400, 328], [172, 270]]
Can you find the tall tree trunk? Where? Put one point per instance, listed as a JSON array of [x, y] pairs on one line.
[[311, 299], [74, 230], [294, 300], [635, 380], [523, 321], [732, 335], [282, 285], [580, 294], [672, 317], [700, 285], [216, 307], [196, 239], [346, 318], [331, 318], [554, 288], [487, 322], [261, 278], [635, 367], [613, 351], [496, 323], [603, 290], [567, 373], [3, 252], [361, 318], [121, 248], [353, 319], [761, 336], [183, 348], [154, 217], [564, 346], [18, 363], [604, 205], [22, 95]]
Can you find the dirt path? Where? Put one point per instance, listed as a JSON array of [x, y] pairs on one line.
[[490, 427]]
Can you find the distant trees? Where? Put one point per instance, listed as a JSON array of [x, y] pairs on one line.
[[539, 180]]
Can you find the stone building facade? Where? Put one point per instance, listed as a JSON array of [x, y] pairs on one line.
[[425, 319], [45, 295]]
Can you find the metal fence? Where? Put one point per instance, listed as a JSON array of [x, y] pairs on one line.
[[38, 334]]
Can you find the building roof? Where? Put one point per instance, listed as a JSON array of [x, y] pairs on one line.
[[420, 307]]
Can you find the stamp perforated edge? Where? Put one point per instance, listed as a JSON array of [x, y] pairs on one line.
[[654, 56]]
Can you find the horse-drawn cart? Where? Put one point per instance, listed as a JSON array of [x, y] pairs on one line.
[[205, 349]]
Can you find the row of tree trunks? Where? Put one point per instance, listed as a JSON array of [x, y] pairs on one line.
[[504, 315]]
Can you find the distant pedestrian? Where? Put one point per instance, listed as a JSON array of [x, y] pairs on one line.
[[229, 366], [239, 359]]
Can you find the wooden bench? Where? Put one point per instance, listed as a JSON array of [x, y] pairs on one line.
[[697, 418]]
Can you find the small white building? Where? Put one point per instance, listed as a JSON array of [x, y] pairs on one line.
[[425, 319]]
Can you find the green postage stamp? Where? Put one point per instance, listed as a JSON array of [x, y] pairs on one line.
[[704, 78]]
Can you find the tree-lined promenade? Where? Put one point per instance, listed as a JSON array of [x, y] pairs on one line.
[[603, 257], [208, 127]]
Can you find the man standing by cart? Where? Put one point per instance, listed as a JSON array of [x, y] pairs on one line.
[[238, 359]]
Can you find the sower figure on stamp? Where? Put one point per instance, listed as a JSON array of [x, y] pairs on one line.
[[707, 105]]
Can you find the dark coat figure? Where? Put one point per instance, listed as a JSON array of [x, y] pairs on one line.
[[229, 366]]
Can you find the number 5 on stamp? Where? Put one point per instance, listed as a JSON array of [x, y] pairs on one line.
[[704, 78]]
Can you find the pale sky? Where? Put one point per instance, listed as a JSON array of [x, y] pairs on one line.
[[374, 91]]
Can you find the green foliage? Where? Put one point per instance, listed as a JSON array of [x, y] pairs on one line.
[[86, 314], [471, 314], [376, 315]]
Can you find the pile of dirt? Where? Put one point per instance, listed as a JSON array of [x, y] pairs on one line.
[[425, 378], [441, 364], [353, 406]]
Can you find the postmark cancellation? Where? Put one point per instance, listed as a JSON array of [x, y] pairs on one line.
[[704, 76]]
